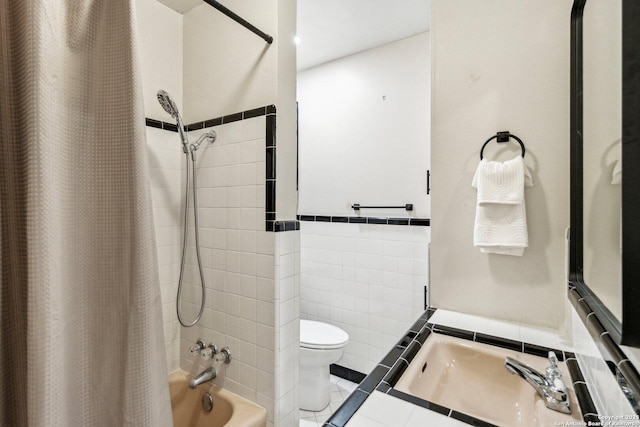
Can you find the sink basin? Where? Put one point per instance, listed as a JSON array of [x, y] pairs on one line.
[[470, 378]]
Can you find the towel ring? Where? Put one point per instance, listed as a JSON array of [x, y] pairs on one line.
[[502, 137]]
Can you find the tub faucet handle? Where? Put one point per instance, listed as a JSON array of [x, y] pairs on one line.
[[197, 348], [209, 352], [223, 356]]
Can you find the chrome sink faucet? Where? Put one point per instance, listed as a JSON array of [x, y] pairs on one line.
[[550, 387]]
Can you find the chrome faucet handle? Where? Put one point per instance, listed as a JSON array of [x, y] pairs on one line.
[[197, 348], [223, 356], [209, 352], [552, 371]]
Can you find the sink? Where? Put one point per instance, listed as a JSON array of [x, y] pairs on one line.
[[470, 378]]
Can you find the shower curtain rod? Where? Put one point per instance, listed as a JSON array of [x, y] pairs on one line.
[[240, 20]]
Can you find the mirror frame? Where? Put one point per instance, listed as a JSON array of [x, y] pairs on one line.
[[627, 331]]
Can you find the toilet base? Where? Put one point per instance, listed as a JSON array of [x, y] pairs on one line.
[[314, 387]]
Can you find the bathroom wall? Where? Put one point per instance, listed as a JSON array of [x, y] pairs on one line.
[[364, 129], [367, 279], [252, 275], [364, 123], [500, 65], [158, 26], [228, 69], [160, 47]]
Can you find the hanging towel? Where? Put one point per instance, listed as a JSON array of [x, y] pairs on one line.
[[501, 223], [616, 175]]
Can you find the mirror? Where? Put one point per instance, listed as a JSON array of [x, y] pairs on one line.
[[605, 134], [602, 151]]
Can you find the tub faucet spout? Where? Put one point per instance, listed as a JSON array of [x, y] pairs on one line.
[[207, 375], [550, 387]]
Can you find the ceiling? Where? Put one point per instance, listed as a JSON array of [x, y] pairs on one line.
[[331, 29]]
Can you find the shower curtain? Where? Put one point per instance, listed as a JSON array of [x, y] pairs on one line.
[[81, 338]]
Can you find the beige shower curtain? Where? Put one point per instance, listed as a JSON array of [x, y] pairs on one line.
[[81, 339]]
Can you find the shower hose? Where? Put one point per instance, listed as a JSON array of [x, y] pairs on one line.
[[192, 154]]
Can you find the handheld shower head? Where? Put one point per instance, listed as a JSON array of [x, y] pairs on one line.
[[170, 107], [167, 103]]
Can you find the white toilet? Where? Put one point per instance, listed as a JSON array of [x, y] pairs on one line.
[[321, 345]]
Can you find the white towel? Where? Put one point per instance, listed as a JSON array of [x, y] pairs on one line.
[[616, 175], [501, 223]]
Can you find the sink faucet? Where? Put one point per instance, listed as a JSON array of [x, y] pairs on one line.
[[207, 375], [550, 387]]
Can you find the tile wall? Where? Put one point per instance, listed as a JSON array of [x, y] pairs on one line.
[[605, 392], [164, 160], [251, 275], [367, 279]]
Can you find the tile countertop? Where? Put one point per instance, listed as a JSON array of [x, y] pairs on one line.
[[383, 410]]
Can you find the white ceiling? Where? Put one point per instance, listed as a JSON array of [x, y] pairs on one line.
[[331, 29]]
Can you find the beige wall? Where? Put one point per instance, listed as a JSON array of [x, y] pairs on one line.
[[160, 50], [228, 69], [500, 65]]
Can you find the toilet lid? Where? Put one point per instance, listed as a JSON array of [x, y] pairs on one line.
[[321, 335]]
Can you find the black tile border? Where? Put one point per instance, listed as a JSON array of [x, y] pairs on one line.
[[621, 367], [270, 157], [424, 222], [346, 373], [385, 375]]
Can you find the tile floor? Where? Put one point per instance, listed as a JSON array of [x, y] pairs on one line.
[[340, 389]]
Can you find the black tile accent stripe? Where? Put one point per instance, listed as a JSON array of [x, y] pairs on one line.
[[584, 397], [154, 123], [392, 356], [453, 332], [420, 402], [396, 371], [609, 350], [346, 373], [232, 118], [398, 221], [194, 126], [347, 409], [217, 121], [366, 220], [499, 342], [574, 370], [411, 351], [470, 420], [406, 340], [373, 379], [169, 127]]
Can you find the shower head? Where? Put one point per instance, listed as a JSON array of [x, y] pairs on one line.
[[170, 107], [167, 103]]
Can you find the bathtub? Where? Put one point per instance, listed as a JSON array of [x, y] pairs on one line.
[[229, 409]]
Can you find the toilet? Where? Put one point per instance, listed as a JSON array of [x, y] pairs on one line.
[[321, 345]]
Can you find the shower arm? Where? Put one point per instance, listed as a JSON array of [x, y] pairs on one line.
[[210, 136]]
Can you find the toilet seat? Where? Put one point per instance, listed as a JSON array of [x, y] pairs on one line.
[[321, 336]]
